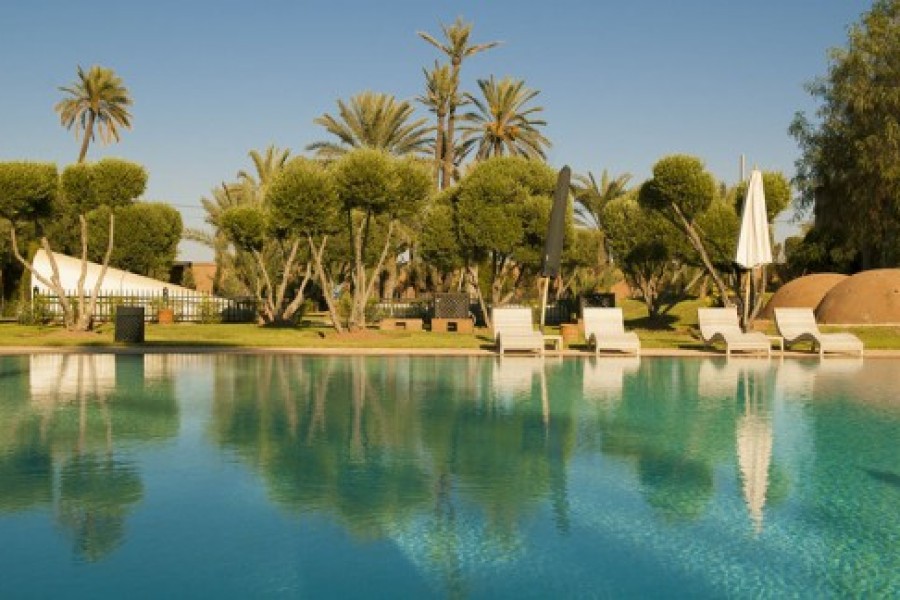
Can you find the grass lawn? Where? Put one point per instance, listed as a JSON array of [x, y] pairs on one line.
[[676, 329]]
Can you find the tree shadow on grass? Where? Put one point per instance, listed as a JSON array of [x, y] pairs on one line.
[[658, 323]]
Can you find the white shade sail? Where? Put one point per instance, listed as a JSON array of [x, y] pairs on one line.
[[754, 247]]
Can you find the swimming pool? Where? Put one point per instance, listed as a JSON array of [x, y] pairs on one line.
[[237, 476]]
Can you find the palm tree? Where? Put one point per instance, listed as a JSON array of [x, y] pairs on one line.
[[502, 124], [373, 120], [591, 196], [97, 102], [268, 166], [250, 188], [441, 92], [456, 46]]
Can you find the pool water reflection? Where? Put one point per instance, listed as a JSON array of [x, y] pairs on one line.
[[237, 476]]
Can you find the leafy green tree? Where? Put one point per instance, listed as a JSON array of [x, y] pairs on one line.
[[110, 183], [646, 247], [252, 229], [28, 196], [501, 211], [304, 201], [681, 190], [236, 269], [374, 189], [372, 120], [148, 238], [97, 102], [502, 124], [456, 47], [849, 170]]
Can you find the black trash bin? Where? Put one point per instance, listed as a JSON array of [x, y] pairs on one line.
[[129, 324]]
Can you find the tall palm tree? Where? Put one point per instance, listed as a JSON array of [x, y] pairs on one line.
[[268, 166], [502, 124], [592, 196], [441, 92], [250, 188], [456, 46], [373, 120], [96, 102]]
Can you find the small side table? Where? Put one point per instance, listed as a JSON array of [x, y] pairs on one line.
[[779, 340], [554, 340]]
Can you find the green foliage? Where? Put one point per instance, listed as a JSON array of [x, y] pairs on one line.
[[373, 182], [363, 180], [849, 171], [720, 225], [303, 199], [820, 251], [646, 246], [439, 244], [246, 226], [208, 312], [118, 182], [491, 204], [680, 183], [372, 120], [78, 193], [146, 237], [502, 124], [27, 190], [777, 189]]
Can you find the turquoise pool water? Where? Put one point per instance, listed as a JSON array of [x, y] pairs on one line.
[[253, 476]]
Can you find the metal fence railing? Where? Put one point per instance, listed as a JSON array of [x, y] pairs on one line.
[[193, 307]]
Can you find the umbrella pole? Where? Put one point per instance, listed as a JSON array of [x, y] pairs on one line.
[[545, 289], [749, 276]]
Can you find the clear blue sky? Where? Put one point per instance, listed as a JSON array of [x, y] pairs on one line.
[[622, 83]]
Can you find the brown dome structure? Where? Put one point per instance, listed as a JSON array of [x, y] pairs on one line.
[[803, 292], [870, 297]]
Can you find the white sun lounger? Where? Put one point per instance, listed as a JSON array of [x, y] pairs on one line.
[[799, 325], [513, 330], [604, 329], [722, 325]]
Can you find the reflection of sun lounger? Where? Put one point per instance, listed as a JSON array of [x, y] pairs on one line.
[[604, 377], [514, 377], [721, 325], [717, 379], [604, 329], [513, 330], [799, 325]]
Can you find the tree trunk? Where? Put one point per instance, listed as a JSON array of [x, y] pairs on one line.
[[325, 282], [697, 243], [439, 151], [88, 134], [89, 321], [53, 283], [449, 149], [473, 281]]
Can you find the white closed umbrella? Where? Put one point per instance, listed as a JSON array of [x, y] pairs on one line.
[[754, 248]]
